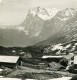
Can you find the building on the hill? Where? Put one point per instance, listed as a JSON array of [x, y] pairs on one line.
[[10, 61], [70, 57], [72, 61]]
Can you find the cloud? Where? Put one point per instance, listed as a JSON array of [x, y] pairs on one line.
[[60, 4]]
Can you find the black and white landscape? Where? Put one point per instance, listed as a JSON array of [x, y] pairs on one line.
[[38, 41], [41, 24]]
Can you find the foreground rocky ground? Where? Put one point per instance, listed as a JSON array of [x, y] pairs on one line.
[[30, 73]]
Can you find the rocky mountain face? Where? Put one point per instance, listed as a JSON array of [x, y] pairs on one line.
[[65, 28], [51, 25], [36, 19], [27, 33]]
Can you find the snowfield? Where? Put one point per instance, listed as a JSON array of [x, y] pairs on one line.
[[44, 14]]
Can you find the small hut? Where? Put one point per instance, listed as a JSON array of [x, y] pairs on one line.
[[10, 61]]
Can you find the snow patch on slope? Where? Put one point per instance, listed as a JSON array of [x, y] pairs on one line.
[[20, 28], [62, 19], [57, 47]]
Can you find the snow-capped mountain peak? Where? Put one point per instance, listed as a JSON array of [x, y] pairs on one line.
[[70, 11], [66, 14], [44, 13]]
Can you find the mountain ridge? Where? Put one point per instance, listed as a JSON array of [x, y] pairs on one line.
[[35, 28]]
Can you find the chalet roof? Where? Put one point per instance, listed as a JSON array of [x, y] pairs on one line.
[[9, 59], [3, 78], [52, 56]]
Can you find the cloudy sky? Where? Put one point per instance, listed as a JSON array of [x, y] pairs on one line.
[[14, 11]]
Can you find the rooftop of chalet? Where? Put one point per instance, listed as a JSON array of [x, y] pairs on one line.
[[51, 56], [9, 59]]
